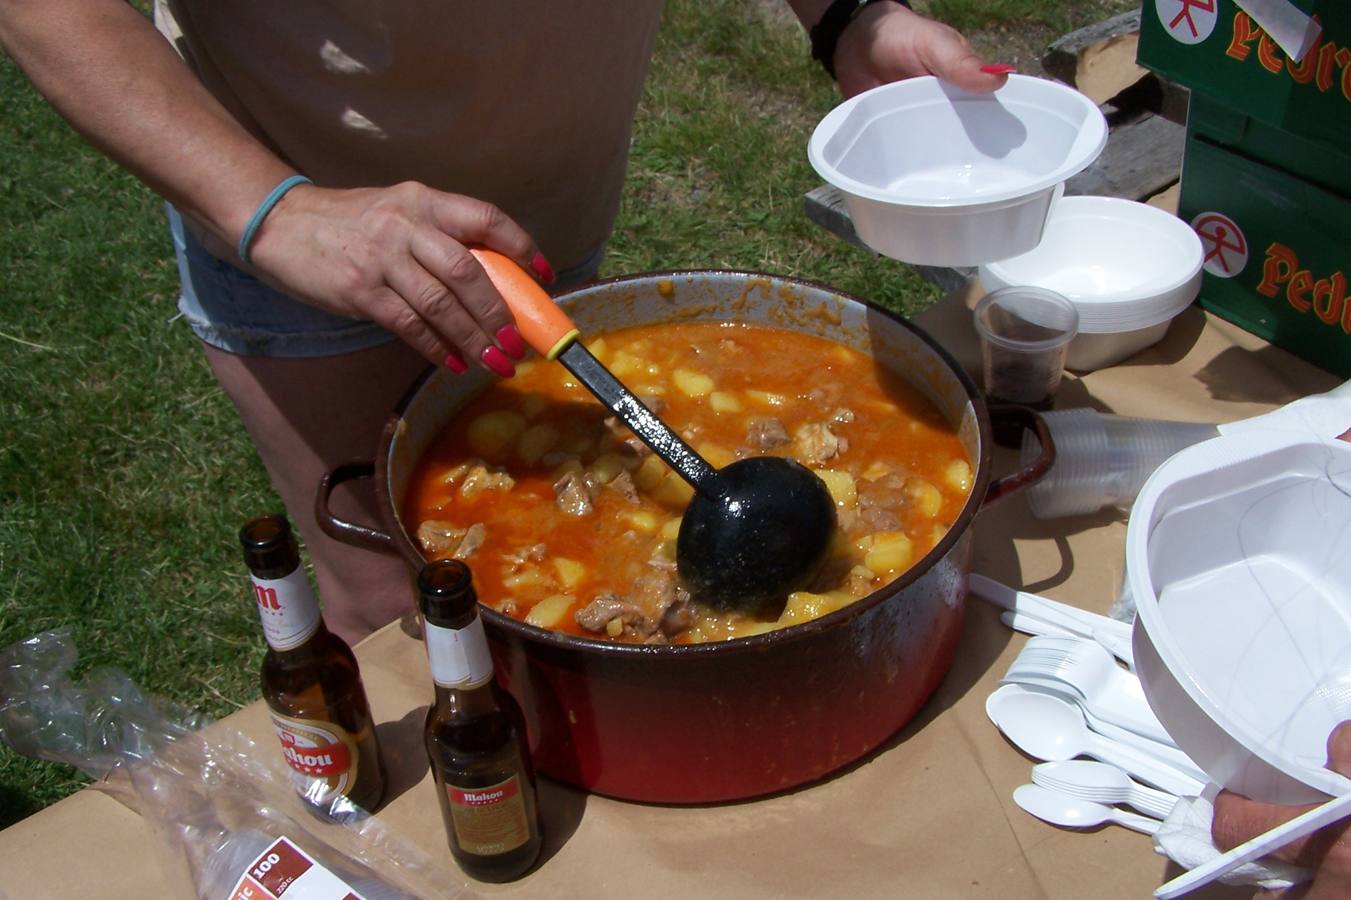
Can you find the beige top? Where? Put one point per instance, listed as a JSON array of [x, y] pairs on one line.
[[526, 105]]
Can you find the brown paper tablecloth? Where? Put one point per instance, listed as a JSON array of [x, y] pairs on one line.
[[927, 815]]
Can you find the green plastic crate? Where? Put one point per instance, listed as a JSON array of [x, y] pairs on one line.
[[1214, 48], [1325, 165], [1277, 252]]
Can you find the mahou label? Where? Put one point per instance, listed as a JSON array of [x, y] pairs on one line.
[[287, 608], [321, 753], [489, 820]]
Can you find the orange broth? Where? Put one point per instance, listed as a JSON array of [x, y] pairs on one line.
[[892, 462]]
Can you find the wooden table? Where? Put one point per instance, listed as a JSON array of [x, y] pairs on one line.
[[928, 814]]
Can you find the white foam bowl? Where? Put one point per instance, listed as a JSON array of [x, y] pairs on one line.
[[934, 175], [1128, 267], [1238, 557]]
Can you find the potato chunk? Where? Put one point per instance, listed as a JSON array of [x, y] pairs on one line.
[[549, 612], [691, 383], [804, 606], [926, 498], [650, 473], [768, 398], [891, 553], [530, 576], [957, 475], [570, 572], [841, 486], [536, 441], [724, 402], [607, 467], [491, 433]]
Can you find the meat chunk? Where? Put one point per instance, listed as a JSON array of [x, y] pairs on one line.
[[814, 443], [879, 518], [657, 610], [766, 433], [860, 581], [826, 393], [441, 539], [480, 477], [517, 560], [879, 499], [623, 484], [615, 615], [679, 616], [574, 494]]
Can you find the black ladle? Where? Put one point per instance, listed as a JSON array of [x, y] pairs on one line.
[[755, 531]]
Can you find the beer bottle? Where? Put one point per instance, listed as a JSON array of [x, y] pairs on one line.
[[475, 735], [310, 680]]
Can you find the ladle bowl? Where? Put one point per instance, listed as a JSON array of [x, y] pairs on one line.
[[763, 532]]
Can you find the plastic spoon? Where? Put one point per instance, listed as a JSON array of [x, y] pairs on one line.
[[1103, 783], [1072, 812], [1168, 754], [1047, 728], [755, 531]]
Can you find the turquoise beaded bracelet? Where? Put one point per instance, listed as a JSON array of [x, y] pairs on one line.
[[263, 209]]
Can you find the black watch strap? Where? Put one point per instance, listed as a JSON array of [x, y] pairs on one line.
[[825, 34]]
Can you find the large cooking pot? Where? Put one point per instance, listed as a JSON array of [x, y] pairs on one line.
[[741, 718]]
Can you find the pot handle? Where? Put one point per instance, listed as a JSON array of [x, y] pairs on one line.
[[1031, 473], [340, 529]]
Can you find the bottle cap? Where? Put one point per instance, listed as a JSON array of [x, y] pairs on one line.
[[446, 593], [270, 549]]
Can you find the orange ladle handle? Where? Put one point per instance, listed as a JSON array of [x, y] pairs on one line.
[[542, 322]]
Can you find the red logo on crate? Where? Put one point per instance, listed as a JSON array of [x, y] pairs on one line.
[[1188, 21], [1226, 249]]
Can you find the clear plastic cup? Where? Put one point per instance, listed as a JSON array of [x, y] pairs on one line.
[[1024, 336], [1102, 459]]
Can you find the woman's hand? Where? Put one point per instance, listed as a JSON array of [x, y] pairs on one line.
[[1328, 851], [887, 42], [397, 256]]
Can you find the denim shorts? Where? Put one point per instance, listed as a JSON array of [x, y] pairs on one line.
[[233, 311]]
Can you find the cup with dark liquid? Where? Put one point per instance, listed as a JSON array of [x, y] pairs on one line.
[[1025, 334]]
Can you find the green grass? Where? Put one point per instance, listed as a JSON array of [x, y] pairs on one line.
[[123, 470]]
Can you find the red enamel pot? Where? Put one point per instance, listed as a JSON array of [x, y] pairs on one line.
[[742, 718]]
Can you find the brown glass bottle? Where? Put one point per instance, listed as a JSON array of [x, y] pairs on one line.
[[310, 680], [475, 736]]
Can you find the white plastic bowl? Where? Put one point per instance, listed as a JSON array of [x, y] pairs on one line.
[[938, 176], [1238, 557], [1129, 267]]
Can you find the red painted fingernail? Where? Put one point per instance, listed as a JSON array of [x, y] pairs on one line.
[[497, 361], [455, 363], [542, 268], [999, 69], [510, 340]]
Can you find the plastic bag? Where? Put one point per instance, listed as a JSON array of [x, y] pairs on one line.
[[218, 809]]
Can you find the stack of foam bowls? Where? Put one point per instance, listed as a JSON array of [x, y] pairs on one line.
[[1238, 557], [1128, 267], [934, 175]]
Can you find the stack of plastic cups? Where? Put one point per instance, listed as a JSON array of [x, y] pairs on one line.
[[1102, 459]]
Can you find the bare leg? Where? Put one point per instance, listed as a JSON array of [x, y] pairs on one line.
[[307, 416]]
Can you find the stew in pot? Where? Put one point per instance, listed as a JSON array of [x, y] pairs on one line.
[[570, 522]]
